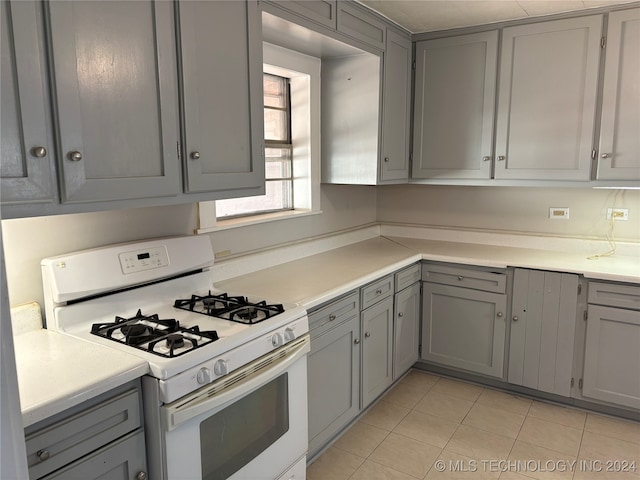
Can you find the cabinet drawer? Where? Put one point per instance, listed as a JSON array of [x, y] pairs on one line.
[[407, 277], [614, 295], [461, 277], [376, 291], [333, 314], [67, 440]]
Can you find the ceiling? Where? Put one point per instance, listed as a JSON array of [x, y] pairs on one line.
[[419, 16]]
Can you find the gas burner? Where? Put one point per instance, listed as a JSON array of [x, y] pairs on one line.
[[155, 335], [235, 308]]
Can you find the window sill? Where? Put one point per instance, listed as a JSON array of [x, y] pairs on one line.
[[256, 220]]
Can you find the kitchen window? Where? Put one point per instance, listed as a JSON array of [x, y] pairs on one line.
[[292, 144]]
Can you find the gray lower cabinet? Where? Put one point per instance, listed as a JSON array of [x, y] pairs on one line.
[[100, 438], [612, 348], [406, 329], [333, 367], [221, 52], [115, 88], [377, 349], [543, 323], [547, 99], [454, 102], [464, 318], [27, 171], [619, 149]]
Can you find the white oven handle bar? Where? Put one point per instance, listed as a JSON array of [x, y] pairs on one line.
[[235, 385]]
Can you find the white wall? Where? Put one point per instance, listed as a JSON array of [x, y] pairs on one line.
[[28, 240], [514, 209]]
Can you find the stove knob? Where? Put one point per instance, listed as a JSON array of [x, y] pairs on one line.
[[277, 340], [203, 376], [220, 367], [289, 334]]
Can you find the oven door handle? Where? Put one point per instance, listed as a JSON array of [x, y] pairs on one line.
[[234, 385]]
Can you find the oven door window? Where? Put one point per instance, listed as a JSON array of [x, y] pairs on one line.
[[233, 437]]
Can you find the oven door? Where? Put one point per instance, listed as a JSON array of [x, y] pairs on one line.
[[250, 424]]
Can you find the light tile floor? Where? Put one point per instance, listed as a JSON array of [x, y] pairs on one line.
[[430, 427]]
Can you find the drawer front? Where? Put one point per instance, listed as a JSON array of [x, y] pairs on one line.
[[68, 440], [334, 314], [614, 295], [461, 277], [407, 277], [376, 291]]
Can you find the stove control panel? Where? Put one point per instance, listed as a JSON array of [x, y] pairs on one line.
[[141, 260]]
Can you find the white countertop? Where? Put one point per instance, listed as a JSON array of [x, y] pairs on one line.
[[56, 372], [319, 278]]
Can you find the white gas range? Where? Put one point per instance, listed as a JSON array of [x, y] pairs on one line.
[[226, 396]]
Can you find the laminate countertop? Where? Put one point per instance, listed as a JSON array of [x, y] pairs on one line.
[[57, 372], [316, 279]]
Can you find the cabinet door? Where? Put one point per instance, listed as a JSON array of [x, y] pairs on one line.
[[26, 152], [222, 80], [454, 106], [333, 381], [620, 128], [543, 321], [377, 350], [124, 459], [115, 79], [361, 25], [406, 330], [464, 328], [547, 99], [320, 11], [396, 110], [612, 356]]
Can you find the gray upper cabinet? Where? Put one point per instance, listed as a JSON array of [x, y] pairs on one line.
[[115, 89], [27, 171], [222, 82], [547, 99], [454, 107], [320, 11], [356, 22], [396, 109], [619, 149]]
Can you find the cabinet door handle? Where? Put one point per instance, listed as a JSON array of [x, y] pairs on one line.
[[39, 152], [400, 314], [367, 334], [378, 292], [486, 158], [460, 278], [356, 341], [43, 455], [605, 155], [515, 318], [499, 314], [501, 158], [141, 476], [332, 317], [195, 155], [75, 156]]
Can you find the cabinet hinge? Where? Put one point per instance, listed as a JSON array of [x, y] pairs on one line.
[[579, 288], [178, 150], [420, 349], [594, 153], [573, 381], [413, 65], [603, 42], [411, 157], [580, 384], [585, 315]]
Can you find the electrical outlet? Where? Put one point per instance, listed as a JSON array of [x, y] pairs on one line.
[[559, 213], [618, 213]]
